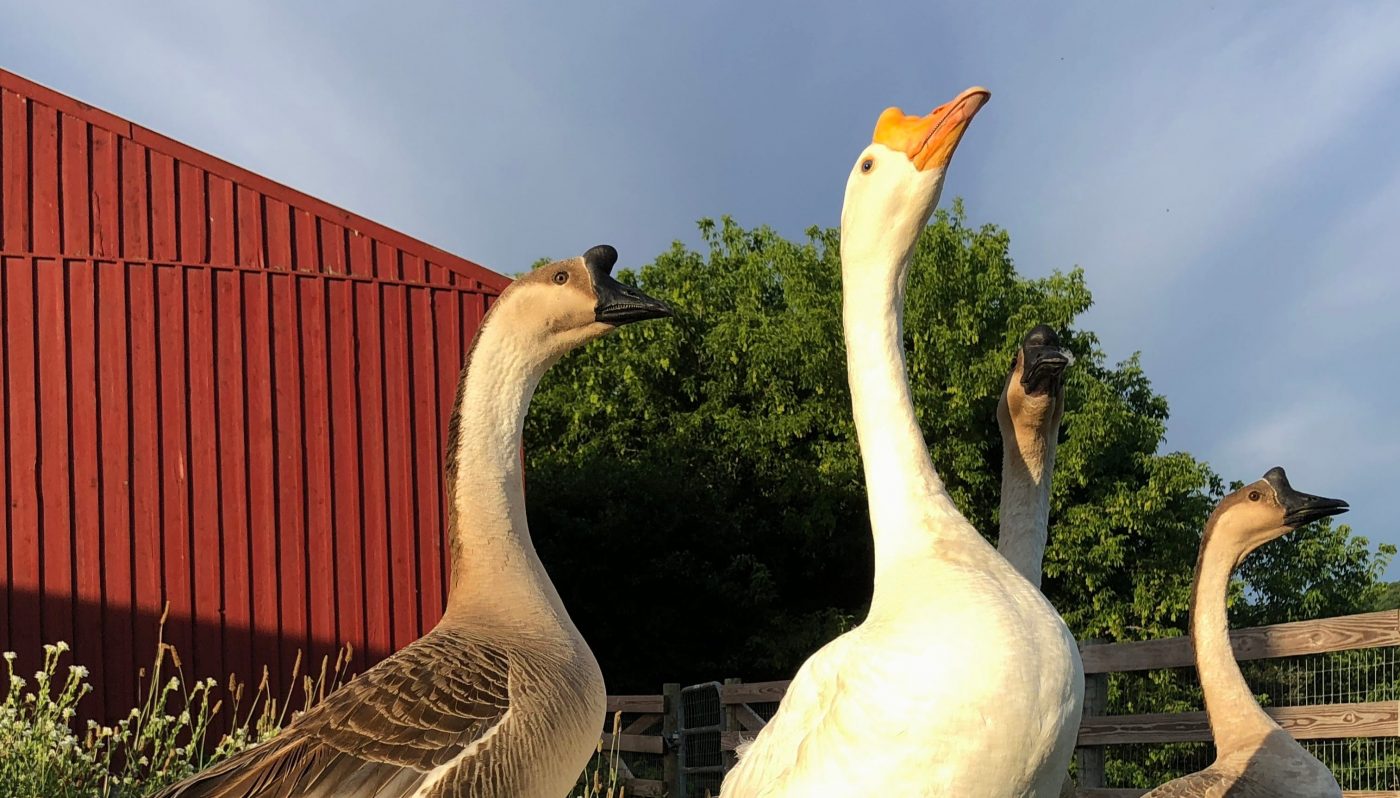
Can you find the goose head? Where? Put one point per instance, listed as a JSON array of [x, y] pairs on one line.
[[564, 304], [1034, 396], [895, 183], [1264, 510]]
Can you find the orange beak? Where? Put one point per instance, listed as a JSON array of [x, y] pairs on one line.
[[929, 141]]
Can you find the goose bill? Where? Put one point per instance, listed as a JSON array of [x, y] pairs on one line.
[[1044, 365], [620, 304]]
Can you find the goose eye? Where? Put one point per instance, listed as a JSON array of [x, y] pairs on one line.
[[867, 164], [1254, 495], [561, 277]]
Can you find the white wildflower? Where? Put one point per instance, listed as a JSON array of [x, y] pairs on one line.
[[10, 656]]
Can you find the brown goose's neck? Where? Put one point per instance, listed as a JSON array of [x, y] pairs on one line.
[[1236, 719], [494, 564], [1028, 461]]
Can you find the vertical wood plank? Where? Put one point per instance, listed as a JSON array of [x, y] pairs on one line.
[[306, 254], [23, 462], [438, 275], [448, 318], [206, 541], [222, 226], [44, 179], [332, 247], [320, 525], [114, 431], [670, 727], [374, 471], [136, 215], [175, 452], [55, 456], [428, 442], [265, 591], [75, 194], [361, 254], [7, 591], [277, 229], [146, 499], [291, 475], [1090, 760], [403, 538], [14, 188], [412, 268], [251, 244], [192, 215], [345, 467], [89, 639], [165, 231], [386, 261], [106, 195], [231, 413]]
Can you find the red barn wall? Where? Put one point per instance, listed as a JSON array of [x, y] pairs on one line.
[[216, 393]]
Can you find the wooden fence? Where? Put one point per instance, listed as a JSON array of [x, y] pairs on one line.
[[654, 721]]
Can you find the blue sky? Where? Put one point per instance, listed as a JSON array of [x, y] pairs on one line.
[[1227, 174]]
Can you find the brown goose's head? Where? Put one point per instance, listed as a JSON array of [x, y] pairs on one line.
[[1033, 398], [564, 304], [1267, 509]]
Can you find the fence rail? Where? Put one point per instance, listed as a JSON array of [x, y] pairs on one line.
[[744, 707]]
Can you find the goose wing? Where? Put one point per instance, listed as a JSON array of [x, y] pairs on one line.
[[435, 704], [764, 762], [1204, 784]]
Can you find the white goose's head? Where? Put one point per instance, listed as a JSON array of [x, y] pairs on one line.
[[895, 183], [562, 305]]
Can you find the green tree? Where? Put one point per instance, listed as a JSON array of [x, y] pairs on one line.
[[695, 487]]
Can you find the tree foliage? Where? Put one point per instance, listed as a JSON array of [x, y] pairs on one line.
[[695, 486]]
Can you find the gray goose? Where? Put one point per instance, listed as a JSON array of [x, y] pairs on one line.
[[1029, 413], [503, 698], [1254, 757]]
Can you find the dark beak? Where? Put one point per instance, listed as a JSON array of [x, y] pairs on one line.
[[618, 304], [1044, 362], [1301, 508], [1044, 365]]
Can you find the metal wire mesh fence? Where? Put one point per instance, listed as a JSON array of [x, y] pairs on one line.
[[1334, 683], [1340, 677]]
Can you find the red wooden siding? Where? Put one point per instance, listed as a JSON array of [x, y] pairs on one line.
[[216, 394]]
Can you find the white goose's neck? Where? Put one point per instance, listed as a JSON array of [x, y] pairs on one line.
[[911, 513], [494, 564], [1236, 720], [1028, 460]]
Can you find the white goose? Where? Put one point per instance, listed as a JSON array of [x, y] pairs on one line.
[[502, 699], [962, 680], [1029, 413], [1254, 758]]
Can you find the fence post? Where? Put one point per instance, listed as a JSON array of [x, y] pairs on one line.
[[671, 739], [1090, 758], [729, 723]]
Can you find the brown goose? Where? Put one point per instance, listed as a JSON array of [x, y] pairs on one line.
[[1254, 758], [1029, 414], [502, 699]]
